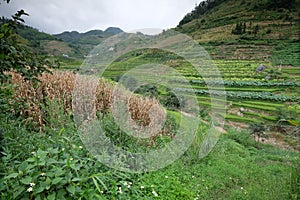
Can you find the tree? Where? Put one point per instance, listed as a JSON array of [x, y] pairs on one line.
[[17, 57]]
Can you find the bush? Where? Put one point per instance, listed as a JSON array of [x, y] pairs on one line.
[[16, 57], [257, 129]]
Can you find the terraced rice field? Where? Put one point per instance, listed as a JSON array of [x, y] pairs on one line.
[[251, 96]]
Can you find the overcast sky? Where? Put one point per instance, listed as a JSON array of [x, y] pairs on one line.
[[56, 16]]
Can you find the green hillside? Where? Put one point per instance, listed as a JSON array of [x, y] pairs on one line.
[[85, 42], [67, 46], [64, 135], [265, 30]]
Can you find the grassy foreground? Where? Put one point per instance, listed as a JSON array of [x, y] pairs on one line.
[[56, 165]]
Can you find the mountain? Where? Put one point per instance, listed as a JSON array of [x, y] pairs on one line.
[[113, 30], [67, 45], [245, 29], [92, 37], [85, 42]]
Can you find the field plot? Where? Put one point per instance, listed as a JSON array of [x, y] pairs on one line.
[[252, 94]]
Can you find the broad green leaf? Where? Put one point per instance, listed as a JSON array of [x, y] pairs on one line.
[[13, 175], [31, 160], [23, 166], [51, 196], [61, 194], [40, 189], [76, 179], [26, 180], [71, 189], [38, 197], [56, 180]]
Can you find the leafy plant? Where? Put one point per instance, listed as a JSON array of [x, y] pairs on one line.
[[16, 57], [257, 129]]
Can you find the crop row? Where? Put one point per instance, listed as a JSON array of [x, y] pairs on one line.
[[237, 83], [242, 95], [245, 83]]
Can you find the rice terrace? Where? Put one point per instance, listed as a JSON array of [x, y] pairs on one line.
[[206, 109]]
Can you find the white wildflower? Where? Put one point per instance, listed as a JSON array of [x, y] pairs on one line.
[[120, 190], [29, 189], [154, 193]]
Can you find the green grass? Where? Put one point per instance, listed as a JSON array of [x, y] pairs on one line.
[[237, 168], [269, 118], [269, 104], [260, 107], [241, 119]]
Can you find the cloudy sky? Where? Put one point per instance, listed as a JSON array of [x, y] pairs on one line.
[[56, 16]]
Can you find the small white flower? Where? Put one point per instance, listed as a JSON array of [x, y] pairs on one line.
[[193, 176], [242, 188], [32, 184], [71, 158], [125, 183], [154, 193], [120, 190], [101, 192], [63, 149], [130, 183], [33, 153], [128, 186], [29, 189], [166, 177], [80, 147], [43, 174], [142, 187]]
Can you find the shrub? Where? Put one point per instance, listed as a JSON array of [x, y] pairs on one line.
[[257, 129]]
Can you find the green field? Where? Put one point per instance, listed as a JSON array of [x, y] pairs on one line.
[[245, 88], [151, 126]]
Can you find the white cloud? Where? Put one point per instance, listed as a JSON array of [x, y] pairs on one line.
[[55, 16]]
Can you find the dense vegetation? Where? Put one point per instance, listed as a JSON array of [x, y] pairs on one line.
[[244, 29], [42, 154]]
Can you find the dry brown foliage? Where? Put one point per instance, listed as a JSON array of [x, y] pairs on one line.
[[59, 86]]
